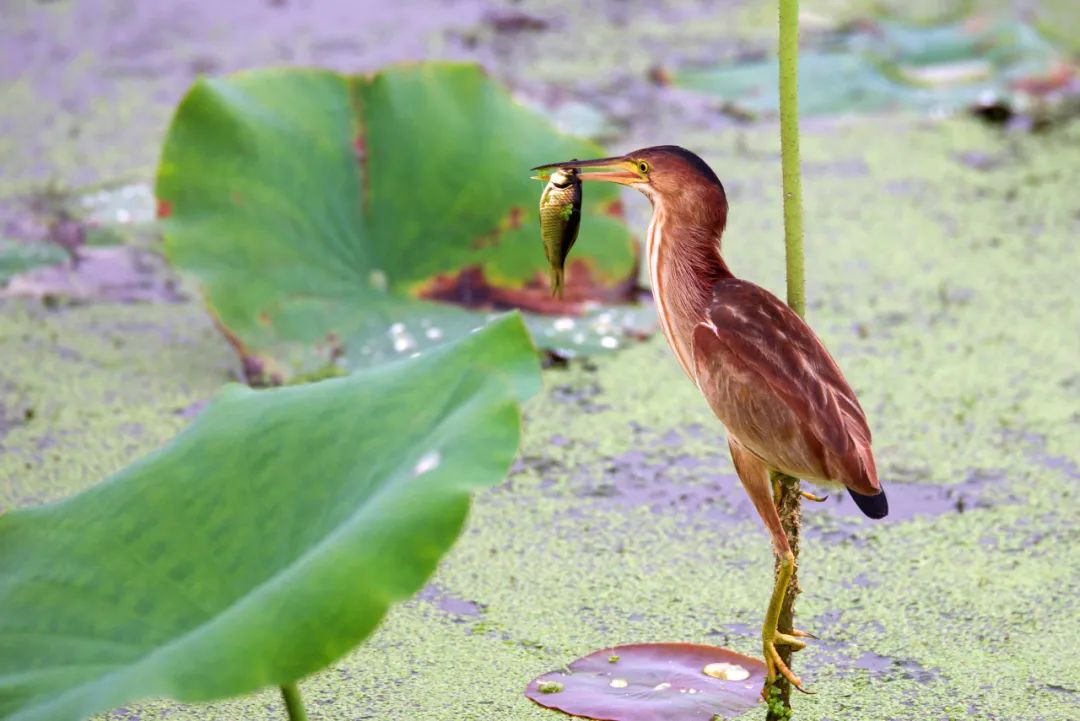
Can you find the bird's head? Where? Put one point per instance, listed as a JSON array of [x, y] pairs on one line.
[[670, 177]]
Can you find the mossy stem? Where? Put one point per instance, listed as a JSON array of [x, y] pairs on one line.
[[788, 500], [294, 702]]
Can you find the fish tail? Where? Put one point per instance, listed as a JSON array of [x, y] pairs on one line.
[[557, 282]]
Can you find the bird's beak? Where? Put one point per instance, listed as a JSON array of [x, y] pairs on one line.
[[618, 169]]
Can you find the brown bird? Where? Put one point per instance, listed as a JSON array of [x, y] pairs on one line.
[[764, 372]]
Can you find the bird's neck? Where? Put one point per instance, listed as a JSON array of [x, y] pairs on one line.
[[684, 265]]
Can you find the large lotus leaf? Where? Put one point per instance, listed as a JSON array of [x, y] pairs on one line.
[[263, 542], [320, 210]]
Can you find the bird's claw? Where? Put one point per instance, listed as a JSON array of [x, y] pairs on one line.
[[802, 634], [790, 639], [775, 665], [811, 497]]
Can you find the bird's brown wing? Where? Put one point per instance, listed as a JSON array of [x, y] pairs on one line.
[[774, 385]]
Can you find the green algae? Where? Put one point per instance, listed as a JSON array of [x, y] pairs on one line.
[[92, 387], [776, 704]]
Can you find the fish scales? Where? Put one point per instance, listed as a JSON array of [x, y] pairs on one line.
[[560, 219]]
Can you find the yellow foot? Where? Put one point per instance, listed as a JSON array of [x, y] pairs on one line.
[[771, 636], [811, 497], [775, 664]]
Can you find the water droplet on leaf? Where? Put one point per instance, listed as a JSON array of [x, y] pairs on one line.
[[428, 462], [726, 671], [563, 324], [378, 280]]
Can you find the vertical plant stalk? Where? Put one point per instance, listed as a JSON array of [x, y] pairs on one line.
[[788, 502], [789, 153], [294, 702]]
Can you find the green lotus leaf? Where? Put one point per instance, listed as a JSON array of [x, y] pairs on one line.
[[346, 219], [892, 65], [263, 542]]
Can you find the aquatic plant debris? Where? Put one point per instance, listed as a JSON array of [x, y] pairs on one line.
[[110, 273], [654, 682], [18, 257]]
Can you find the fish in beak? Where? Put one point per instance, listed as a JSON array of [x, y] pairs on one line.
[[619, 169]]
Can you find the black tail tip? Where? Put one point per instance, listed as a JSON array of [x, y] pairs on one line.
[[873, 506]]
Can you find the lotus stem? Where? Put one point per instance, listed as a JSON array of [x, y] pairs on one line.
[[788, 503], [789, 153], [294, 702]]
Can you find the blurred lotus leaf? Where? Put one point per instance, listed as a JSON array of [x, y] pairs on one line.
[[874, 66], [264, 541], [346, 219], [18, 257]]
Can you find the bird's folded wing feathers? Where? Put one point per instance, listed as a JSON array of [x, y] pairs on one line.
[[777, 389]]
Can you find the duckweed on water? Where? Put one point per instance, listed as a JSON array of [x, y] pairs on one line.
[[110, 382], [940, 288]]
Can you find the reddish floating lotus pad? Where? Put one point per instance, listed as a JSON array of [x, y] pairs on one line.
[[653, 682]]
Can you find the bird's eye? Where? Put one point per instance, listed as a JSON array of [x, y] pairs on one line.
[[643, 167]]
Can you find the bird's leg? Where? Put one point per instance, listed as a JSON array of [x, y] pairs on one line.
[[771, 636], [811, 497], [755, 479]]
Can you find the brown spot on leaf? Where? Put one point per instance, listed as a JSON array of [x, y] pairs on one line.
[[470, 288], [614, 208], [264, 319], [515, 217], [258, 372], [334, 347], [488, 240], [1059, 78], [511, 221], [360, 149]]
